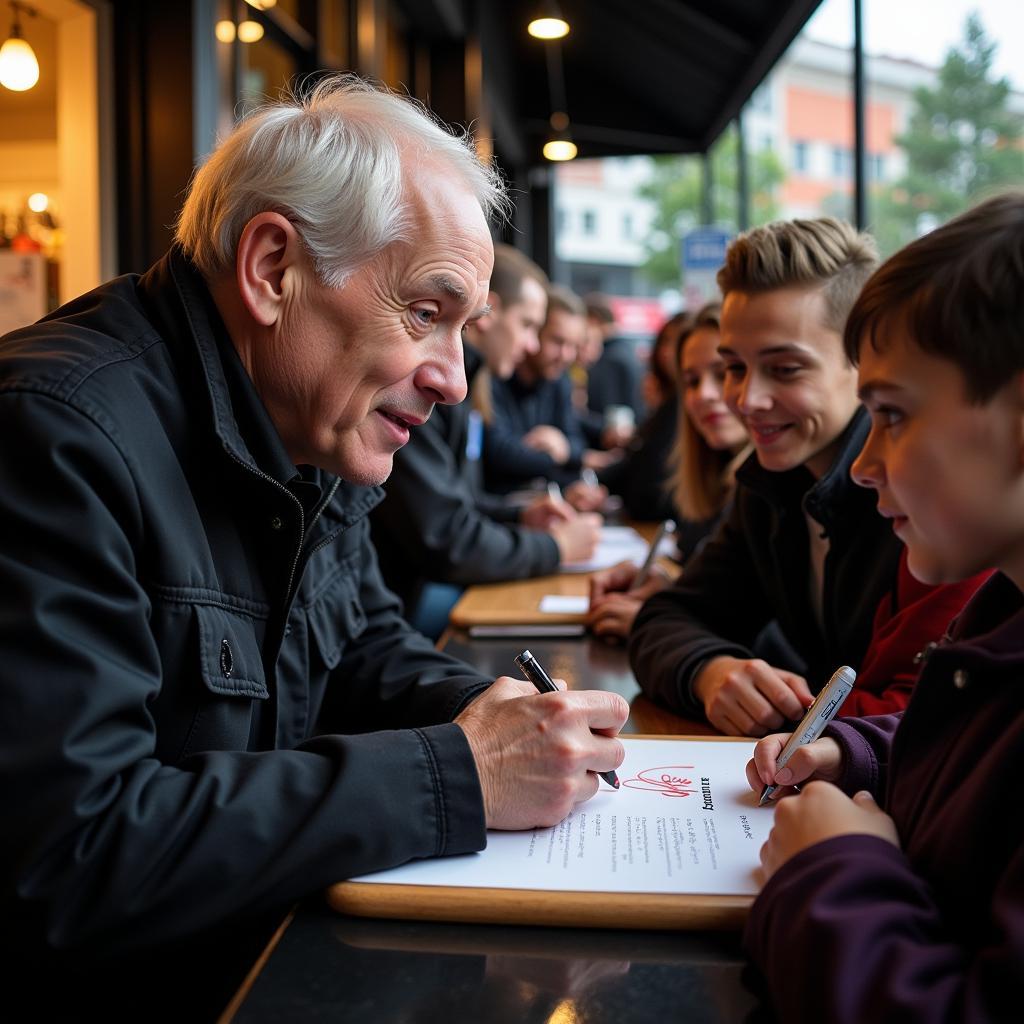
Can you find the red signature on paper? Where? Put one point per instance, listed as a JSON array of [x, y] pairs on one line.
[[668, 781]]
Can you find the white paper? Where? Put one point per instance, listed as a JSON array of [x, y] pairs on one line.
[[617, 544], [565, 604], [684, 821]]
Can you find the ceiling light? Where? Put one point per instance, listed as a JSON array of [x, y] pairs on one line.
[[560, 146], [261, 5], [19, 69], [250, 31], [225, 31], [38, 201], [548, 28]]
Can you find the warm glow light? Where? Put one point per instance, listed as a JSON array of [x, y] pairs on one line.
[[38, 201], [560, 149], [250, 31], [548, 28], [19, 69], [261, 5], [225, 31]]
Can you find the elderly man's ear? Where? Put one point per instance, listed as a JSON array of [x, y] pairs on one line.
[[268, 250]]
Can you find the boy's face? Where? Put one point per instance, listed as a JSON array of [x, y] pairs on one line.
[[787, 377], [949, 474]]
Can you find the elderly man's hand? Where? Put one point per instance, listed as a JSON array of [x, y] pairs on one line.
[[536, 753], [550, 440]]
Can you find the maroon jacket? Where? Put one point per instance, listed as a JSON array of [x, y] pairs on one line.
[[853, 929], [911, 611]]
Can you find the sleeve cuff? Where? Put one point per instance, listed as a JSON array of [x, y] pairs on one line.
[[460, 802]]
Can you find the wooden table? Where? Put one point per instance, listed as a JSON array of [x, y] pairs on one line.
[[324, 966]]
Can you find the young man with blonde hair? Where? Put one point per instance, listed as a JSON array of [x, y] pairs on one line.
[[802, 545]]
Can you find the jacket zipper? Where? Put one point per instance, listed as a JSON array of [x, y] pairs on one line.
[[302, 517]]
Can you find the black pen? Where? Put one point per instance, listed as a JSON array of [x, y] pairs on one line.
[[534, 671]]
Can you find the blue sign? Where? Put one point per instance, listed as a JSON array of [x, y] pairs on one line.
[[704, 248]]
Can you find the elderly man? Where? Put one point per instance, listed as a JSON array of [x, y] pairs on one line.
[[438, 530], [209, 703]]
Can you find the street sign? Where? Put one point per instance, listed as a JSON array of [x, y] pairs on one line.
[[702, 254]]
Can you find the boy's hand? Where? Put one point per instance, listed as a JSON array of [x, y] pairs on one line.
[[750, 697], [821, 759], [819, 812]]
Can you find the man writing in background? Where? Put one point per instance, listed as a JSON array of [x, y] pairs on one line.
[[437, 530]]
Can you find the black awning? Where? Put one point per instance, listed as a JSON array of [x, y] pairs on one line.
[[640, 76]]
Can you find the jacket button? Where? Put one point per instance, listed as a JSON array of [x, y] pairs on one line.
[[287, 630], [227, 660], [276, 523], [959, 678]]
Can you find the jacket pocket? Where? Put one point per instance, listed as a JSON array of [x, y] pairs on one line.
[[231, 670], [230, 660], [336, 617]]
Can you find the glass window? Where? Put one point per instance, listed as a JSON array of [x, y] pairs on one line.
[[800, 158], [589, 222], [627, 225], [945, 111]]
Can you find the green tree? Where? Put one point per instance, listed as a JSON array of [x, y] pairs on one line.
[[676, 189], [961, 143]]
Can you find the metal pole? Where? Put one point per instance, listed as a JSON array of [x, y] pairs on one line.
[[860, 195], [742, 180], [707, 191]]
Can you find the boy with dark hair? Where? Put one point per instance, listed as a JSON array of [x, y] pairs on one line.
[[912, 908], [801, 545]]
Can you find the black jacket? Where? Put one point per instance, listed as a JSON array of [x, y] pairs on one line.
[[641, 475], [615, 379], [436, 523], [518, 408], [755, 569], [188, 627]]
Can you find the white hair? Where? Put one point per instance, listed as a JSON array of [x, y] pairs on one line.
[[330, 160]]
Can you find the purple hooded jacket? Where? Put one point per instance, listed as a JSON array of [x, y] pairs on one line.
[[853, 929]]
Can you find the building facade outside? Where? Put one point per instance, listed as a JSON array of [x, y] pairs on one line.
[[803, 112]]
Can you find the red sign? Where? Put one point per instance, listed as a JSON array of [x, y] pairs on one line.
[[637, 316]]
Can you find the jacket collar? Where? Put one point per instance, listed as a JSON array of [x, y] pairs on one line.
[[989, 631], [830, 499], [177, 297]]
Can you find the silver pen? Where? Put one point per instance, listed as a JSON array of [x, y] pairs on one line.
[[819, 714], [652, 552], [534, 671]]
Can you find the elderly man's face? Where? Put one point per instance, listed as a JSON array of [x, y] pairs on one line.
[[354, 368]]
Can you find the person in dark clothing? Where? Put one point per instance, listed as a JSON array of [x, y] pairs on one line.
[[895, 878], [210, 705], [436, 524], [640, 477], [709, 445], [615, 379], [534, 432], [801, 544]]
